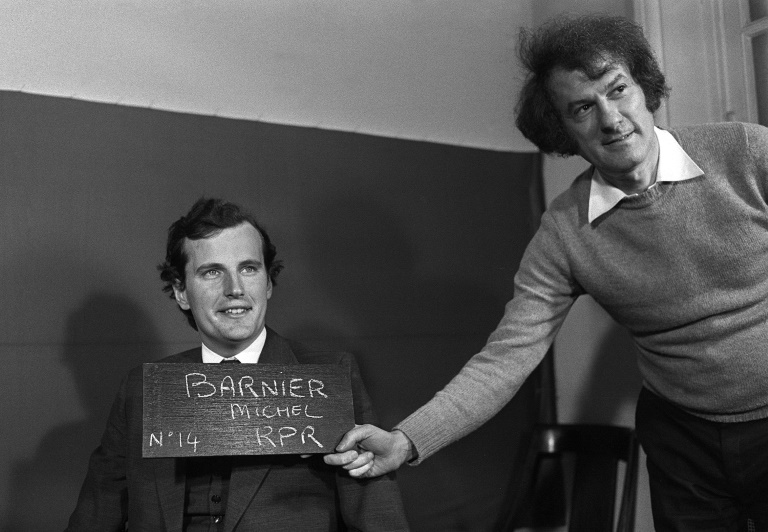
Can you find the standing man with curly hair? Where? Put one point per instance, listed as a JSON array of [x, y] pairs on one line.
[[668, 232]]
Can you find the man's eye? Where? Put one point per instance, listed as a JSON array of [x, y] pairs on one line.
[[582, 109], [250, 269], [210, 274]]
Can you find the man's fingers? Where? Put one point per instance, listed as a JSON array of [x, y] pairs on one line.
[[350, 460], [352, 438], [341, 459], [367, 451], [361, 471], [363, 460]]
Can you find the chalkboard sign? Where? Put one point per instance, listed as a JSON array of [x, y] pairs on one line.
[[233, 409]]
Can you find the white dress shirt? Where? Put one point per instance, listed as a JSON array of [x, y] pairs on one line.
[[249, 355], [674, 165]]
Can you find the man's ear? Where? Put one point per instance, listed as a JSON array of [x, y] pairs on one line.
[[180, 293]]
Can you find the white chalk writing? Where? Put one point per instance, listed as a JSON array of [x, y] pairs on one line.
[[157, 439], [298, 388]]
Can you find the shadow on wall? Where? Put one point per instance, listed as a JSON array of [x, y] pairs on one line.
[[107, 335], [614, 381], [413, 316], [366, 266]]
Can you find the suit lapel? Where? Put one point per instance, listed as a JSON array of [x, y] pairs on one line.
[[276, 350], [169, 472], [246, 479], [171, 485]]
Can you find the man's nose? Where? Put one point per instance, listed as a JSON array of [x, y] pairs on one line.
[[234, 285], [610, 117]]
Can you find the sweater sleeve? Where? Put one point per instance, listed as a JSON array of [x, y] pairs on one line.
[[544, 292], [757, 145]]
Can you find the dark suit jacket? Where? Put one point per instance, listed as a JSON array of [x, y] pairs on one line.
[[277, 492]]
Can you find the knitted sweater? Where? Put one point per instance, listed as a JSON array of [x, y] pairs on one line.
[[683, 266]]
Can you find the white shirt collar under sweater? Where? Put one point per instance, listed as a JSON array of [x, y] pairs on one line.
[[249, 355], [674, 165]]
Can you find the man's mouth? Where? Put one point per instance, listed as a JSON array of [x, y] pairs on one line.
[[235, 311], [618, 139]]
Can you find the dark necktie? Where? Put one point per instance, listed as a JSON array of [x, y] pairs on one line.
[[232, 360]]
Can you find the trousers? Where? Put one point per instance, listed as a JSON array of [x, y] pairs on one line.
[[704, 475]]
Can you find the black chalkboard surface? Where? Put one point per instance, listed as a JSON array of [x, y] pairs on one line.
[[238, 409]]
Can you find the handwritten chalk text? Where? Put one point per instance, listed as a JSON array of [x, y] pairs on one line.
[[157, 439], [271, 411], [198, 385], [264, 435]]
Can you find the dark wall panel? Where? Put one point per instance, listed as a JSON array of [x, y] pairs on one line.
[[403, 252]]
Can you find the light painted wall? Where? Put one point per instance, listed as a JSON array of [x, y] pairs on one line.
[[441, 71]]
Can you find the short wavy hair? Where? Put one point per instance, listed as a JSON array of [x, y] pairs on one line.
[[205, 219], [582, 43]]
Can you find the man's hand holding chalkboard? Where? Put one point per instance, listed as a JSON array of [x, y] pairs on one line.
[[368, 451]]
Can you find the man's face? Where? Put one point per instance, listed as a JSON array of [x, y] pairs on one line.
[[608, 119], [227, 288]]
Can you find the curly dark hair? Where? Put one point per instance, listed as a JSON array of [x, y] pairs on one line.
[[206, 218], [583, 43]]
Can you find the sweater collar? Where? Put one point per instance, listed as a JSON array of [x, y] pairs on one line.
[[674, 165]]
